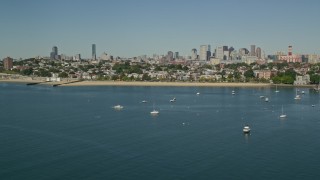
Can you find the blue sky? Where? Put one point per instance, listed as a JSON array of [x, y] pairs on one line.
[[135, 27]]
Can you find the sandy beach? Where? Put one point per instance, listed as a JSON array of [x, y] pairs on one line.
[[182, 84], [140, 83]]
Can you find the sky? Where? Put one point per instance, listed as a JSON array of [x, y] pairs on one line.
[[128, 28]]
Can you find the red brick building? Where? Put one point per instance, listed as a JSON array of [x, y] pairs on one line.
[[8, 63]]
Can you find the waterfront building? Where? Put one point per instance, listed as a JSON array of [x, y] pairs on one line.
[[265, 74], [302, 80], [8, 63], [94, 54], [205, 52]]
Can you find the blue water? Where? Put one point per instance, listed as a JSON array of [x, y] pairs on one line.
[[74, 133]]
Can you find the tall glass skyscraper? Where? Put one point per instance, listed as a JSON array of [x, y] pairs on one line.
[[54, 53], [94, 56]]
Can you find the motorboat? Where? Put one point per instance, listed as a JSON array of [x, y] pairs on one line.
[[118, 107], [302, 92], [198, 93], [144, 101], [266, 99], [246, 129], [233, 92]]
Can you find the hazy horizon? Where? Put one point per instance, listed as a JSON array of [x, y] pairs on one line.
[[131, 28]]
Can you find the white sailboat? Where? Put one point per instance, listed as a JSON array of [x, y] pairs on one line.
[[282, 114], [297, 97], [173, 100], [277, 89], [154, 112]]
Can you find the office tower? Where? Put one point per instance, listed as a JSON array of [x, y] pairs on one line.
[[170, 56], [176, 55], [243, 51], [219, 52], [205, 52], [94, 55], [77, 57], [194, 54], [258, 52], [54, 53], [8, 63], [230, 50], [253, 50]]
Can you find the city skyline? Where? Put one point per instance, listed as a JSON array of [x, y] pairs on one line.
[[132, 28]]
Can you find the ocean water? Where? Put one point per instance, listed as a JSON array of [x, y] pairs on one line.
[[74, 133]]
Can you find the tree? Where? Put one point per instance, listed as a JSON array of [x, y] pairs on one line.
[[146, 77], [249, 73], [27, 72], [314, 79], [63, 75]]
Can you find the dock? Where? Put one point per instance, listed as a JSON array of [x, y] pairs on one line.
[[63, 83], [54, 84]]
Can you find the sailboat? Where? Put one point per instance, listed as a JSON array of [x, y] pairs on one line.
[[282, 114], [233, 92], [297, 96], [173, 100], [277, 89], [154, 112]]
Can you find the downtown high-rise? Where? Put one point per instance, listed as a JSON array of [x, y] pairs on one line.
[[94, 54]]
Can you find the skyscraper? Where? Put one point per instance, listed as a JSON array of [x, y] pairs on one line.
[[170, 56], [194, 54], [54, 52], [94, 55], [205, 52], [258, 52], [219, 52], [253, 50], [176, 55]]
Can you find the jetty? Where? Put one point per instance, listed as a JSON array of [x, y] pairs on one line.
[[53, 84]]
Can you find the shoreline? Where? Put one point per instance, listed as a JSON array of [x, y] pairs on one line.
[[156, 84]]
